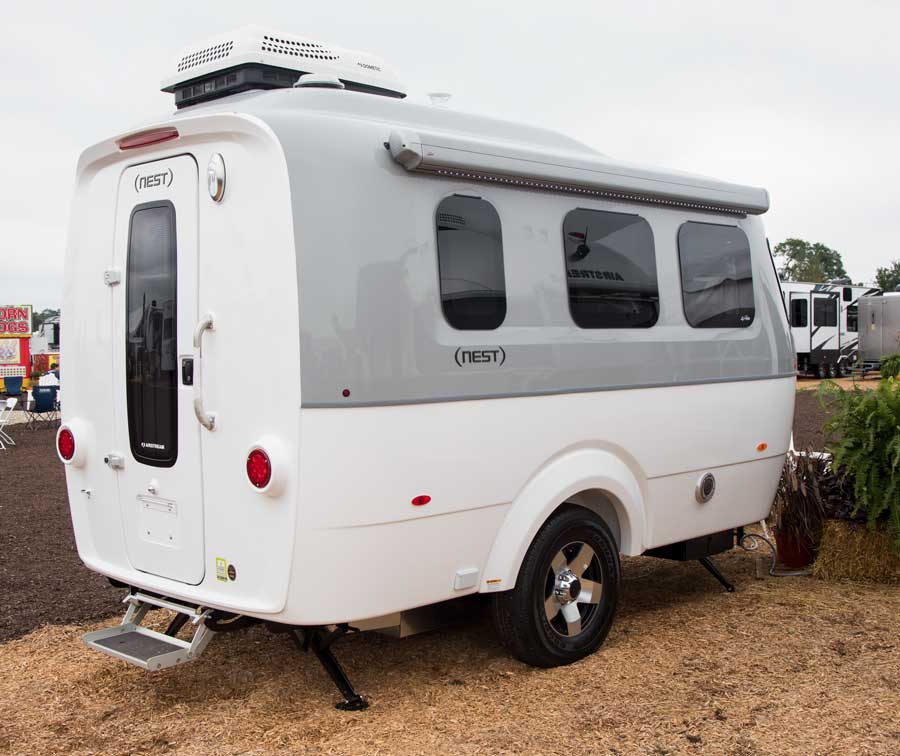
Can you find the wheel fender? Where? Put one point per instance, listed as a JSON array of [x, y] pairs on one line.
[[554, 484]]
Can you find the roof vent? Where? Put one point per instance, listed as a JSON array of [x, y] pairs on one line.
[[255, 58]]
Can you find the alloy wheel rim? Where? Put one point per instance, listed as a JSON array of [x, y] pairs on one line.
[[572, 589]]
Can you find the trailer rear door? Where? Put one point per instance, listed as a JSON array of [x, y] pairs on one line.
[[154, 310]]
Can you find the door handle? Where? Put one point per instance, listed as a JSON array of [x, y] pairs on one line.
[[206, 419]]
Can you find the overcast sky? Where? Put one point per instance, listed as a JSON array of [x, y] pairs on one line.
[[802, 98]]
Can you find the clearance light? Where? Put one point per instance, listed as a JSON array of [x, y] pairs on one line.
[[146, 138], [421, 500], [259, 468], [762, 446]]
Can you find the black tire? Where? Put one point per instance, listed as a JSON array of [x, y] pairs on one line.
[[843, 370], [832, 370], [520, 618], [821, 371]]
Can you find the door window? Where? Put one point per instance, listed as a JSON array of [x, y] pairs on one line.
[[151, 357], [825, 312]]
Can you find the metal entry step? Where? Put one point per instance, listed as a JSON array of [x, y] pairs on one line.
[[150, 649]]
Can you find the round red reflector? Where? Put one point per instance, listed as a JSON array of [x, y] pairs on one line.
[[421, 501], [259, 468], [65, 442]]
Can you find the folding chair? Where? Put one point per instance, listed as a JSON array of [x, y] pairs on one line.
[[5, 414], [13, 385], [44, 407]]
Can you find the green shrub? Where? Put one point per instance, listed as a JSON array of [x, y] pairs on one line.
[[864, 438], [890, 366]]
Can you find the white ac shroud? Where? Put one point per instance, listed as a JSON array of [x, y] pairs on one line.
[[254, 44]]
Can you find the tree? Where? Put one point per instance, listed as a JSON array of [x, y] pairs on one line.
[[39, 317], [804, 261], [888, 278]]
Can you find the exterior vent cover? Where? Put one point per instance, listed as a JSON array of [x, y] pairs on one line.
[[206, 55], [255, 58], [311, 50], [451, 219]]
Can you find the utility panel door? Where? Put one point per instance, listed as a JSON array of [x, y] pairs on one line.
[[154, 311]]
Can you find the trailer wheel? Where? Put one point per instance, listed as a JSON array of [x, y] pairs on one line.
[[821, 371], [832, 370], [843, 370], [566, 594]]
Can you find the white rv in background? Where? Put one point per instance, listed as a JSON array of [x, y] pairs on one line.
[[504, 359], [825, 325]]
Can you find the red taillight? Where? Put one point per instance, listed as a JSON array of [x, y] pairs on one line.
[[143, 138], [65, 443], [259, 468]]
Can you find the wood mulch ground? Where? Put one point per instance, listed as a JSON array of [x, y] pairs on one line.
[[782, 666]]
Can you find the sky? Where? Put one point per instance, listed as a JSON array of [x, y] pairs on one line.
[[802, 98]]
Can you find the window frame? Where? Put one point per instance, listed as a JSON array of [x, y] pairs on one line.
[[681, 275], [437, 250], [565, 263]]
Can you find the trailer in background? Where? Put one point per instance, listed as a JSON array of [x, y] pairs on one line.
[[825, 325], [879, 332]]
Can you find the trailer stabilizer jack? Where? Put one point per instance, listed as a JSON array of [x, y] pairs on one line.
[[319, 640], [716, 573]]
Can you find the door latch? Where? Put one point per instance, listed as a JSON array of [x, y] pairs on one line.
[[112, 276], [114, 461]]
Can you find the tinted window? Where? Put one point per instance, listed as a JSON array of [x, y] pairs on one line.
[[716, 276], [150, 350], [799, 313], [825, 312], [470, 260], [853, 318], [848, 294], [610, 270]]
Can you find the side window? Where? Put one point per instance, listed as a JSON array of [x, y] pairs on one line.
[[716, 275], [470, 261], [853, 318], [610, 269], [825, 312], [848, 294], [799, 313]]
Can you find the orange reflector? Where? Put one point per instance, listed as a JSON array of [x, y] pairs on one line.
[[144, 138], [761, 447]]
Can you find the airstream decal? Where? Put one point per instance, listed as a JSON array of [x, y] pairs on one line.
[[152, 180], [493, 356], [608, 275]]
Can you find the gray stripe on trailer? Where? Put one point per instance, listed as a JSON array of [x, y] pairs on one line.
[[348, 403]]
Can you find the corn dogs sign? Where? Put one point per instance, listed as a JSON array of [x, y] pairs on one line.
[[15, 320]]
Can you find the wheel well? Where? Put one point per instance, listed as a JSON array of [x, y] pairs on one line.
[[606, 507]]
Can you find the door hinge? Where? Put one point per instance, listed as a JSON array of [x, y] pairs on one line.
[[112, 276], [115, 461]]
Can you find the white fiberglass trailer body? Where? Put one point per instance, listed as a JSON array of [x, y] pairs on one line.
[[493, 343], [825, 325]]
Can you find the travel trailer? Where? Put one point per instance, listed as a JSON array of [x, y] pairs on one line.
[[825, 325], [879, 334], [502, 360]]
